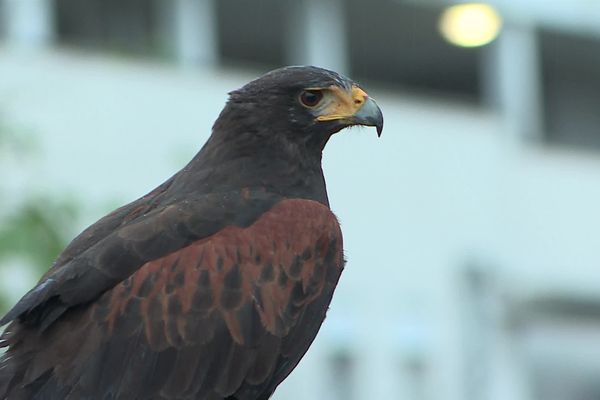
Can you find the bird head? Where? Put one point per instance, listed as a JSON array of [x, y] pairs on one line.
[[305, 104]]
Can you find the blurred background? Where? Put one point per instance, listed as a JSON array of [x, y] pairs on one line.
[[472, 226]]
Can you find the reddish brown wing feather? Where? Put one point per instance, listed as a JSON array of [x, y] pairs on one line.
[[231, 314], [277, 264]]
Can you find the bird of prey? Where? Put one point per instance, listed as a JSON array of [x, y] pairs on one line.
[[213, 285]]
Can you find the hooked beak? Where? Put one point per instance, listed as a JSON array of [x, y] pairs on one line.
[[353, 107], [369, 115]]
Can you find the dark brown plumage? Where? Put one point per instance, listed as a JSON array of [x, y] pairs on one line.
[[212, 286]]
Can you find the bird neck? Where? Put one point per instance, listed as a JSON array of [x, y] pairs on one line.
[[236, 161]]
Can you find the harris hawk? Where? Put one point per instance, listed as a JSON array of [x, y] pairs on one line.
[[213, 285]]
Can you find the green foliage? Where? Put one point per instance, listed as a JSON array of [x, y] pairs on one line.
[[20, 145], [33, 231]]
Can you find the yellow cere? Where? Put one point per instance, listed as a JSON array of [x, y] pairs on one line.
[[470, 24], [344, 104]]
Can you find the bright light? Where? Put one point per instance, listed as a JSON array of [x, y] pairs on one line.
[[470, 24]]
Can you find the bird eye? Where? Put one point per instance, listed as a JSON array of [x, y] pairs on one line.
[[311, 98]]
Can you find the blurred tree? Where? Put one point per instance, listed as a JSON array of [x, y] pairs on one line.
[[32, 230], [38, 227]]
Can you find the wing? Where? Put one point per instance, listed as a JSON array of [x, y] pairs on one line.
[[109, 224], [98, 261], [226, 315]]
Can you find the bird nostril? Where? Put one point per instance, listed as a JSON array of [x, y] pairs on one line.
[[358, 101]]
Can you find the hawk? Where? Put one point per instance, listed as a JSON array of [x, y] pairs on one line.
[[213, 285]]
